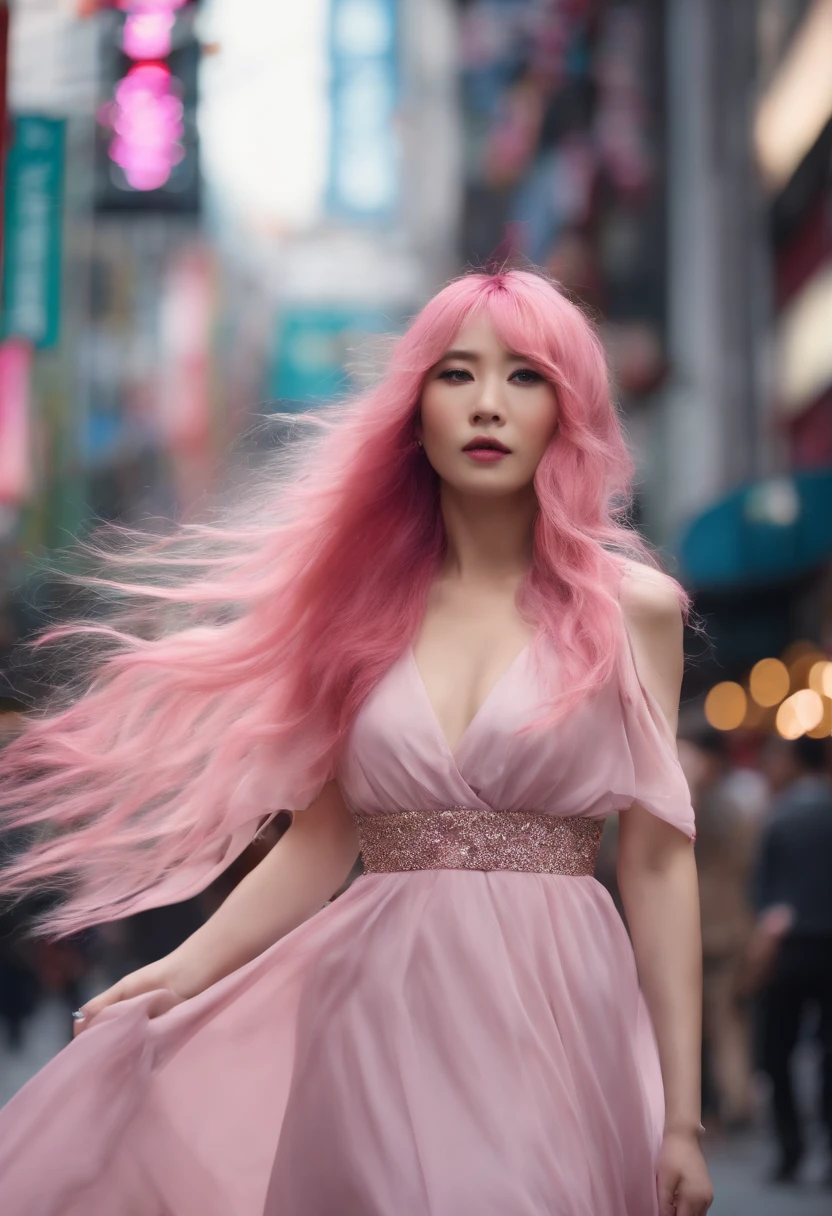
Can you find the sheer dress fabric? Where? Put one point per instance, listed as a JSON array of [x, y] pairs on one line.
[[434, 1042]]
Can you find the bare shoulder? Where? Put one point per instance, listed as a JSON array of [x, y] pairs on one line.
[[648, 595], [653, 618]]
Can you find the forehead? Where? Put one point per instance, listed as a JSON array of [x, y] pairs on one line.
[[478, 335]]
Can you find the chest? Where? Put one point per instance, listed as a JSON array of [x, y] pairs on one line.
[[462, 652]]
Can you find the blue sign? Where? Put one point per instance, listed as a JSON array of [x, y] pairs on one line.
[[364, 158], [33, 224], [314, 346], [761, 534]]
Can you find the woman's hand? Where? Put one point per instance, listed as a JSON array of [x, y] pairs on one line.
[[157, 977], [684, 1184]]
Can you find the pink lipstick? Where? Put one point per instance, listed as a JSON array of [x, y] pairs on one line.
[[486, 450]]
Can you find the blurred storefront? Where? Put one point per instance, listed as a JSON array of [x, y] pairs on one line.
[[109, 284], [759, 554], [50, 60]]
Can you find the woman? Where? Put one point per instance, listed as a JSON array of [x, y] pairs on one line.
[[438, 645]]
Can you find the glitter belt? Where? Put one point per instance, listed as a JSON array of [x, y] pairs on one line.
[[464, 838]]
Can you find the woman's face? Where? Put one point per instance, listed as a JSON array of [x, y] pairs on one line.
[[486, 415]]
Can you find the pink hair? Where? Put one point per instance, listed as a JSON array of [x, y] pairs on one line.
[[266, 635]]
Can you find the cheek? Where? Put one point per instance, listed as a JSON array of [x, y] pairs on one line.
[[437, 415], [538, 425]]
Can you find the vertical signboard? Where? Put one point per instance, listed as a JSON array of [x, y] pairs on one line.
[[16, 474], [4, 112], [32, 230], [364, 169]]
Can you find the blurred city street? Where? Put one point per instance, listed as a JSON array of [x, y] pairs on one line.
[[739, 1171], [218, 218]]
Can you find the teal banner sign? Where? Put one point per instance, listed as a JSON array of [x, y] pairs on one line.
[[761, 534], [314, 347], [33, 224]]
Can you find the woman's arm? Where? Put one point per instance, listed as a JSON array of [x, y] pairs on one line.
[[659, 889], [292, 882]]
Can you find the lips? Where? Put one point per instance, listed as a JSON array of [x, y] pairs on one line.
[[484, 443]]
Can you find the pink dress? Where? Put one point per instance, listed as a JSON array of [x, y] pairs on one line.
[[435, 1042]]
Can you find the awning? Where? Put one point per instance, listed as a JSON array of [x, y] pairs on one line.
[[763, 533]]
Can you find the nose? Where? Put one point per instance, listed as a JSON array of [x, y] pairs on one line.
[[489, 406]]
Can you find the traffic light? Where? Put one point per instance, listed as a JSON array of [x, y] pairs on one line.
[[147, 153]]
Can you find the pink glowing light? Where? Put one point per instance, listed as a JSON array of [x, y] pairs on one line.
[[146, 118], [150, 6], [146, 113], [16, 468], [148, 35]]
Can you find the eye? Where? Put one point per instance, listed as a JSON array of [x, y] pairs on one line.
[[455, 375], [525, 375]]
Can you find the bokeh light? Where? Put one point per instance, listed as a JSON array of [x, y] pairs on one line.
[[797, 649], [787, 723], [820, 677], [726, 705], [769, 682], [799, 713], [800, 668], [824, 727]]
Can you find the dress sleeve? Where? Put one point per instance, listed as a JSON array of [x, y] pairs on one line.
[[245, 819], [658, 781]]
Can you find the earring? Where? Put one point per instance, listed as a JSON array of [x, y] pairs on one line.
[[418, 443]]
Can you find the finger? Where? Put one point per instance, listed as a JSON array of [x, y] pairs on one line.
[[666, 1188], [92, 1008], [687, 1207]]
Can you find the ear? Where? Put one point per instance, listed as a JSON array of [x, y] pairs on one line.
[[417, 428]]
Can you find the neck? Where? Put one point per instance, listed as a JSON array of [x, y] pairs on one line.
[[489, 539]]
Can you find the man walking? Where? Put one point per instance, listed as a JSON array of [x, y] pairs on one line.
[[794, 870]]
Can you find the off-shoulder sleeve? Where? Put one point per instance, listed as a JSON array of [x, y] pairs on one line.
[[244, 820], [658, 782]]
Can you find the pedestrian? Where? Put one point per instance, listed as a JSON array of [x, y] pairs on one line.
[[438, 643], [792, 874], [726, 833]]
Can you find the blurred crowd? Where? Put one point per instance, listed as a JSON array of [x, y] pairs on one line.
[[764, 857]]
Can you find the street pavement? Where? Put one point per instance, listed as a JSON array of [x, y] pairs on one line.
[[738, 1165]]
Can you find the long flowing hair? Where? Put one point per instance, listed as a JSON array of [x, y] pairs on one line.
[[267, 630]]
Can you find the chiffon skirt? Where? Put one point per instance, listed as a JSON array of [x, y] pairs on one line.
[[433, 1043]]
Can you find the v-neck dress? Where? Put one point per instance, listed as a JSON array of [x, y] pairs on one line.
[[435, 1042]]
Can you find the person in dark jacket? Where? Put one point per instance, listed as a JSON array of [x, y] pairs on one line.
[[794, 871]]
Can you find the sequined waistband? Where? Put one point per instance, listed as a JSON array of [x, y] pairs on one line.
[[465, 838]]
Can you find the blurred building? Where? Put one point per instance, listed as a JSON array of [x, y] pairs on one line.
[[213, 208], [758, 548], [566, 165], [210, 208]]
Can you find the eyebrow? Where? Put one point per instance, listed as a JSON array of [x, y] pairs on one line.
[[471, 356]]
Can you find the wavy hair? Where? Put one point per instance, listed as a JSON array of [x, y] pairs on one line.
[[223, 683]]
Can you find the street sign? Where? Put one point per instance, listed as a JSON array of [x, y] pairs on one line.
[[31, 306]]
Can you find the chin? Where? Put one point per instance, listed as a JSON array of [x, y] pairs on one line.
[[488, 487]]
